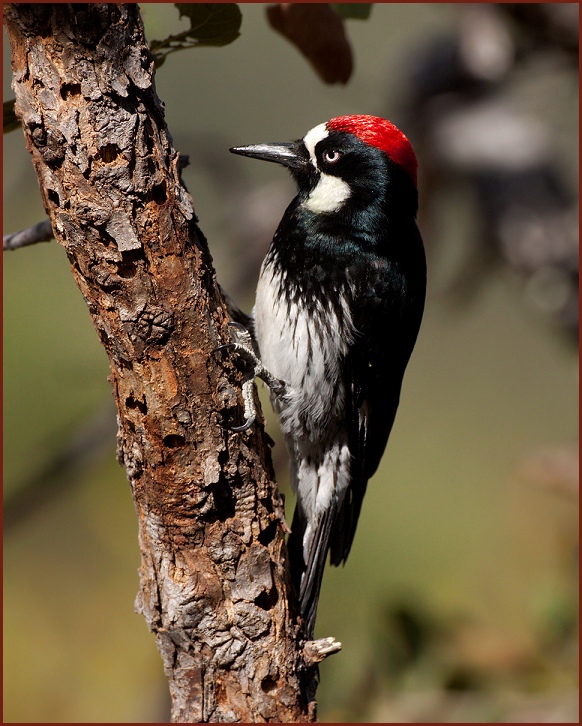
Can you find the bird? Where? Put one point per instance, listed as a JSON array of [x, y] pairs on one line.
[[338, 307]]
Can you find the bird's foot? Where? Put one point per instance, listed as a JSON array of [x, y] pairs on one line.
[[243, 346]]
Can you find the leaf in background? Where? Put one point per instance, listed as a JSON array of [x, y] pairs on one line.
[[318, 32], [212, 23], [357, 11], [10, 120]]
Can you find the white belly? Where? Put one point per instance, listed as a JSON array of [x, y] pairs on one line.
[[305, 351]]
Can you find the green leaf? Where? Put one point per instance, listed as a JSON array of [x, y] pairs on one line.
[[11, 120], [212, 23], [359, 11]]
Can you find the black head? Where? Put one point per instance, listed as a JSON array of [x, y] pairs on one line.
[[348, 163]]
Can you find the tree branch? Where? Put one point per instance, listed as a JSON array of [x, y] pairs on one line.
[[41, 232], [214, 585]]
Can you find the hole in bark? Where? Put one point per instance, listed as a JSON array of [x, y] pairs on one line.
[[174, 441], [268, 684], [134, 403], [267, 600], [268, 534], [159, 193], [54, 197], [132, 256], [70, 89], [224, 504], [109, 153], [127, 270], [103, 337]]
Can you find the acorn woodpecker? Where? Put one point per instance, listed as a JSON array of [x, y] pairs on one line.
[[338, 307]]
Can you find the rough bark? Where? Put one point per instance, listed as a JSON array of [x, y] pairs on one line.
[[211, 530]]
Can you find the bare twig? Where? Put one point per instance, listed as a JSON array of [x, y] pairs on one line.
[[41, 232], [316, 651]]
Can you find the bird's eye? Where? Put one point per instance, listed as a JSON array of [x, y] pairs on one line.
[[331, 156]]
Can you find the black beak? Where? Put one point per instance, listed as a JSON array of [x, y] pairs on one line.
[[292, 154]]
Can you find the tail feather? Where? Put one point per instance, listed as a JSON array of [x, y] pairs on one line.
[[307, 557]]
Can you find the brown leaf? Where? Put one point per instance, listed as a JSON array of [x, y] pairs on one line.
[[318, 32]]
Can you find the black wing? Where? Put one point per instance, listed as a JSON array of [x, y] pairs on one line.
[[387, 326], [370, 415]]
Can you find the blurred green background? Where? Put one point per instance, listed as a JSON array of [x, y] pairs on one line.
[[458, 602]]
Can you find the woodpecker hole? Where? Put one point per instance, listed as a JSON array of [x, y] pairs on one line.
[[127, 270], [159, 193], [268, 534], [224, 504], [70, 89], [135, 404], [267, 600], [54, 197], [174, 441], [268, 684], [109, 153]]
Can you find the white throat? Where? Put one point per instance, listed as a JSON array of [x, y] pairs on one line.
[[328, 196]]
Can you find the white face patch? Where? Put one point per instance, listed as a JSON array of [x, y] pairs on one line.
[[331, 191], [329, 194]]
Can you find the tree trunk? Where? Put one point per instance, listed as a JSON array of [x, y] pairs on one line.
[[214, 586]]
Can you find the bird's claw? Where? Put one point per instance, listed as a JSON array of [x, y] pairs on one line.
[[243, 345], [247, 424]]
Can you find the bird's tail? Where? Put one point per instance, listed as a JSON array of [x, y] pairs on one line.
[[307, 554]]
